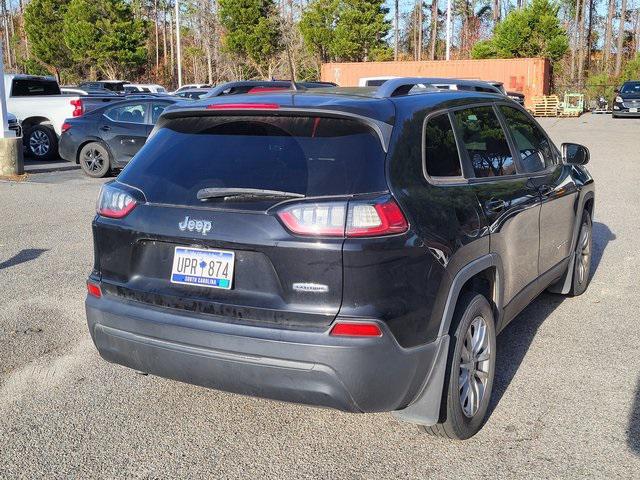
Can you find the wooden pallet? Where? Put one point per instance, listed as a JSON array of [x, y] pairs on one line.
[[545, 106]]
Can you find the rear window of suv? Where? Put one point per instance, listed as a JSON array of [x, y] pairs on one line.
[[313, 156]]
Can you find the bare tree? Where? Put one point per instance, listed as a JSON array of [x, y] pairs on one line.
[[608, 27], [434, 30], [621, 30]]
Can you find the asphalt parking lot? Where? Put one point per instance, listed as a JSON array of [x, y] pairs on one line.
[[566, 401]]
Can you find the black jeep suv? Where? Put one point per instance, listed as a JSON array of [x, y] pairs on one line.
[[349, 248]]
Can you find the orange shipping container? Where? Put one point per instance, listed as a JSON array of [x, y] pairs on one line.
[[529, 76]]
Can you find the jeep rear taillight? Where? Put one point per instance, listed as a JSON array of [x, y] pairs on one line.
[[373, 219], [114, 202], [354, 218], [78, 107]]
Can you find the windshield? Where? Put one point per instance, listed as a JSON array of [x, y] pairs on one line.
[[631, 87], [310, 156]]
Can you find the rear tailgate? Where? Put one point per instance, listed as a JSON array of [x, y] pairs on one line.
[[279, 278]]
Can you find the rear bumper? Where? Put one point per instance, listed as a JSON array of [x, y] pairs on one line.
[[350, 374], [68, 149]]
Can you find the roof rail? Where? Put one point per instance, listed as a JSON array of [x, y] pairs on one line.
[[400, 86], [395, 87]]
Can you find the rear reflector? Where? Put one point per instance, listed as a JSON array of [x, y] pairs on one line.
[[243, 106], [94, 289], [356, 330], [65, 127]]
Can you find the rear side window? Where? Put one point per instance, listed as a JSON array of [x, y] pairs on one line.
[[28, 87], [131, 113], [535, 149], [441, 152], [485, 142], [313, 156]]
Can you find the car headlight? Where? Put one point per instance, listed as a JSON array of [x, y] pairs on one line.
[[619, 99]]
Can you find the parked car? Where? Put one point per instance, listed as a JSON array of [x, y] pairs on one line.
[[515, 96], [352, 249], [111, 85], [191, 86], [144, 88], [41, 108], [87, 91], [14, 124], [261, 86], [193, 93], [108, 137], [627, 101]]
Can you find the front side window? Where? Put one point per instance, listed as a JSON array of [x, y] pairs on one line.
[[441, 152], [131, 113], [536, 152], [485, 142]]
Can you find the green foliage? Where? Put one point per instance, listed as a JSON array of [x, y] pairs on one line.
[[42, 23], [317, 26], [534, 31], [345, 30], [600, 84], [360, 28], [104, 34], [252, 31], [631, 70]]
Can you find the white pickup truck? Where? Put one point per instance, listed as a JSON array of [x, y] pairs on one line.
[[42, 109]]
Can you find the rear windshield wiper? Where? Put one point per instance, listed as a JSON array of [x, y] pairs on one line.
[[222, 192]]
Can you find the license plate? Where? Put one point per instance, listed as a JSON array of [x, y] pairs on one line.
[[633, 110], [204, 268]]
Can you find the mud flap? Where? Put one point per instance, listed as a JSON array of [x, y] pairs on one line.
[[425, 409]]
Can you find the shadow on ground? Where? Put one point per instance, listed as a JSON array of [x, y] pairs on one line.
[[633, 432], [22, 256], [515, 340]]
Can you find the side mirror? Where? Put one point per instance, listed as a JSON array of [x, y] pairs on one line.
[[575, 154]]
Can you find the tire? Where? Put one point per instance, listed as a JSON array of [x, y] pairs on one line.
[[94, 160], [582, 263], [42, 142], [462, 417]]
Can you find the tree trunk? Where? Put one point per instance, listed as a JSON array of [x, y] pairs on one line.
[[434, 29], [420, 29], [619, 52], [495, 10], [638, 30], [164, 35], [576, 40], [396, 30], [155, 25], [582, 44], [590, 34], [606, 48]]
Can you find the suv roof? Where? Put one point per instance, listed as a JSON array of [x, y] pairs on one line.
[[372, 102]]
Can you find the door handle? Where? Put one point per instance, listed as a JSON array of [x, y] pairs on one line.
[[105, 128], [495, 205]]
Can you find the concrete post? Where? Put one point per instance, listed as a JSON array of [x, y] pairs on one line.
[[11, 162]]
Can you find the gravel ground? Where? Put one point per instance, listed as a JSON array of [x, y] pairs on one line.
[[566, 401]]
